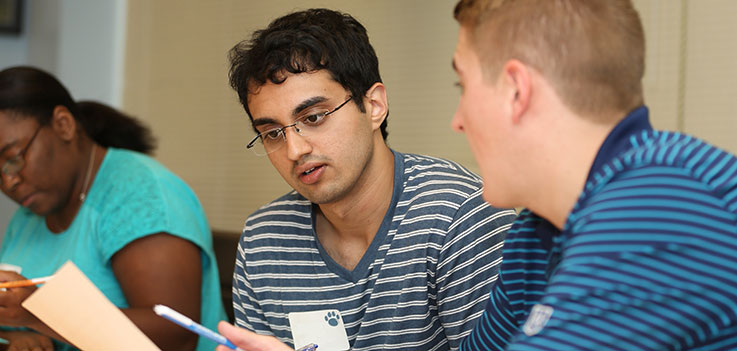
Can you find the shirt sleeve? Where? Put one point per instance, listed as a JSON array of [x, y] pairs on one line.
[[495, 327], [145, 203], [468, 265]]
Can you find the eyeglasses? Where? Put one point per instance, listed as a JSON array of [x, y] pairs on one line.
[[15, 164], [307, 123]]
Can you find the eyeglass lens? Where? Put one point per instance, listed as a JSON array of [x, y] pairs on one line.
[[15, 164], [307, 124]]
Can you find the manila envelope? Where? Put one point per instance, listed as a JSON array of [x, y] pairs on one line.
[[76, 309]]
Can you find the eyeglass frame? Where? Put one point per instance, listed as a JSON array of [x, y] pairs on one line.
[[19, 159], [282, 130]]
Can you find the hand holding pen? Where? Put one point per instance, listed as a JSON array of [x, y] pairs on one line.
[[230, 337], [248, 340], [14, 289], [24, 282]]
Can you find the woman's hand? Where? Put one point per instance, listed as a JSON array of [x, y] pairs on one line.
[[248, 340], [27, 340], [11, 312]]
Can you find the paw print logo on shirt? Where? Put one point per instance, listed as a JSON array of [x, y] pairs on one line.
[[332, 318]]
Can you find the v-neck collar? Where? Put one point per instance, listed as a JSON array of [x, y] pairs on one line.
[[362, 268]]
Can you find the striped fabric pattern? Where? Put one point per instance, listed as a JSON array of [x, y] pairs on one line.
[[646, 261], [420, 285]]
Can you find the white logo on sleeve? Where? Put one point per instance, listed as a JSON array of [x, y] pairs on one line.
[[539, 316]]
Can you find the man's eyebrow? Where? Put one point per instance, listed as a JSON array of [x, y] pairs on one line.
[[301, 107], [263, 120], [453, 63], [308, 103]]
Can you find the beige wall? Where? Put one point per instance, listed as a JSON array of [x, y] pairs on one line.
[[710, 80], [176, 80]]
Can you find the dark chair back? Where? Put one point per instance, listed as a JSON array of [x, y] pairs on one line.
[[225, 244]]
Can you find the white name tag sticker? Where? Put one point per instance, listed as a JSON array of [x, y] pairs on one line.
[[324, 328]]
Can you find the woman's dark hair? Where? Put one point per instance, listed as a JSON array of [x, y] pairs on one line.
[[111, 128], [28, 92], [307, 41]]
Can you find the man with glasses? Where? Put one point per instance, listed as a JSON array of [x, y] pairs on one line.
[[375, 249]]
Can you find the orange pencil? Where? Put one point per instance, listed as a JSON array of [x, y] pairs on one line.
[[28, 282]]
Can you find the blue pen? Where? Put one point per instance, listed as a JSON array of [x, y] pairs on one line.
[[193, 326]]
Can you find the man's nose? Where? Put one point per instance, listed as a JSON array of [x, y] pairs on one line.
[[455, 123], [297, 145]]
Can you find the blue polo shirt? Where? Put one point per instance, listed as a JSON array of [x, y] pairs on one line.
[[647, 258]]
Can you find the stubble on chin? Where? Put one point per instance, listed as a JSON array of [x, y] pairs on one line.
[[323, 196]]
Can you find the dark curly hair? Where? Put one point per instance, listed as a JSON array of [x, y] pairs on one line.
[[307, 41], [28, 92]]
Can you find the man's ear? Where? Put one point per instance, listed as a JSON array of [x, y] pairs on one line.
[[518, 84], [376, 104], [63, 123]]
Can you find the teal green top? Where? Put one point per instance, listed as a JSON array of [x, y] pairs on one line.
[[132, 196]]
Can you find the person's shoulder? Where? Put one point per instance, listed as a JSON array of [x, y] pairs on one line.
[[133, 163], [664, 178], [128, 177], [289, 208], [435, 186], [669, 149], [663, 158], [428, 170], [128, 169], [283, 222]]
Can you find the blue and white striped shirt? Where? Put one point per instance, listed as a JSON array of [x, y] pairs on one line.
[[420, 285], [647, 259]]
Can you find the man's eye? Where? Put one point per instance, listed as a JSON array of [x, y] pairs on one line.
[[272, 134], [314, 118]]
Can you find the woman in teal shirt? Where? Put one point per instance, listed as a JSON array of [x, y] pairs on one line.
[[89, 194]]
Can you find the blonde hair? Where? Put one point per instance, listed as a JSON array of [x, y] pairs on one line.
[[591, 51]]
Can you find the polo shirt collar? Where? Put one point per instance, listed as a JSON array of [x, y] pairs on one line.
[[618, 139]]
